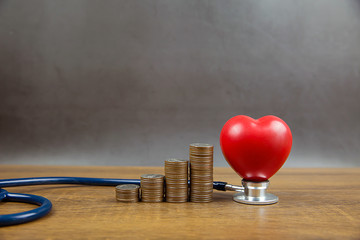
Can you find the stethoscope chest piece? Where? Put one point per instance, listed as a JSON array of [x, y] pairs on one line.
[[255, 193]]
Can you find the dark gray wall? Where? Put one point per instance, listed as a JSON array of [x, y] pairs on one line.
[[134, 82]]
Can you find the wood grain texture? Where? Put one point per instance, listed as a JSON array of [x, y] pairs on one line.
[[314, 204]]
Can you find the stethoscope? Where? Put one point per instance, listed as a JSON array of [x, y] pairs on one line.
[[251, 192], [45, 205]]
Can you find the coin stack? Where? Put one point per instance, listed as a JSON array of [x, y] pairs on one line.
[[127, 193], [152, 188], [201, 172], [176, 178]]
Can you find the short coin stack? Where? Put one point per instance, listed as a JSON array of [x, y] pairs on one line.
[[127, 193], [152, 187], [176, 178], [201, 172]]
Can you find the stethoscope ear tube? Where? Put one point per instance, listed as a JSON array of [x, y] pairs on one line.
[[28, 216]]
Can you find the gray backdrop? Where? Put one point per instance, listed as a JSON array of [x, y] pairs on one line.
[[134, 82]]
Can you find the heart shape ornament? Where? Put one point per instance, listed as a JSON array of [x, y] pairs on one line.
[[256, 149]]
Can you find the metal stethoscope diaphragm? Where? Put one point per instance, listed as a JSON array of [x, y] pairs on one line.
[[253, 193]]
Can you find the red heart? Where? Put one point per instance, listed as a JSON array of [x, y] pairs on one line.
[[256, 149]]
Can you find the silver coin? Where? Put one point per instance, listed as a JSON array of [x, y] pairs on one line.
[[176, 160], [128, 187], [152, 176], [201, 145]]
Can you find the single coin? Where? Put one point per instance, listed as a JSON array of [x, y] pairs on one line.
[[127, 187], [152, 176]]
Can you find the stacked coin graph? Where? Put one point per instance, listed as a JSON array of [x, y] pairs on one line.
[[152, 187], [127, 193], [201, 172], [176, 179]]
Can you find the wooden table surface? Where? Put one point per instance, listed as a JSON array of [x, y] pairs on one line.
[[314, 204]]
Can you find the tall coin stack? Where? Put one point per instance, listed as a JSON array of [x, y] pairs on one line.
[[127, 193], [176, 178], [152, 188], [201, 172]]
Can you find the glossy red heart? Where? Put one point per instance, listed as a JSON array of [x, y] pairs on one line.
[[256, 149]]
